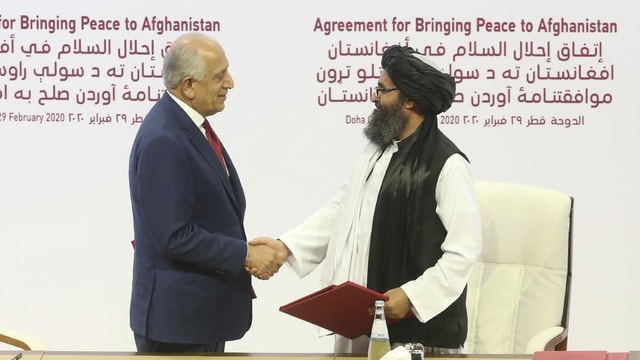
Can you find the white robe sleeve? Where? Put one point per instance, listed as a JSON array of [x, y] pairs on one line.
[[308, 242], [457, 206]]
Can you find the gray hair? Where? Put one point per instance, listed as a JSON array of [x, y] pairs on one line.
[[183, 59]]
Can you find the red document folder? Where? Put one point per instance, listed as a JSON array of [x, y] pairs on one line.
[[342, 309]]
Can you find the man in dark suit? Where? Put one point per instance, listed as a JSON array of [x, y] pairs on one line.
[[190, 291]]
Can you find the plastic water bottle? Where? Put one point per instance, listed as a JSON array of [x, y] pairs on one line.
[[379, 342]]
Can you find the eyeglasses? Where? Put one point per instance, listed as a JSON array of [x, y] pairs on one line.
[[383, 90]]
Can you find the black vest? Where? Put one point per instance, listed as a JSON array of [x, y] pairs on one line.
[[407, 234]]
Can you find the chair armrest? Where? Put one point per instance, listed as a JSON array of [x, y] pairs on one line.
[[546, 340], [21, 340]]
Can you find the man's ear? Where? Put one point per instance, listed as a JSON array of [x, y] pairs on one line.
[[409, 104], [186, 86]]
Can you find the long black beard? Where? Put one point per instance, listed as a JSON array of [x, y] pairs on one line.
[[385, 124]]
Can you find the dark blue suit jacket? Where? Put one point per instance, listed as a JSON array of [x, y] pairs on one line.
[[189, 285]]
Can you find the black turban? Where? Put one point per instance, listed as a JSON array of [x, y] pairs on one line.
[[432, 89]]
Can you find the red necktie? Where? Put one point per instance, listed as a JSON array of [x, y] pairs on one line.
[[213, 140]]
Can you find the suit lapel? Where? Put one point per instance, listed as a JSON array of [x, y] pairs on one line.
[[199, 141], [203, 146]]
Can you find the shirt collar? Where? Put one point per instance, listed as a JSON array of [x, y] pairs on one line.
[[191, 112]]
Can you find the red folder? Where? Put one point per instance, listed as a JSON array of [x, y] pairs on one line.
[[342, 309]]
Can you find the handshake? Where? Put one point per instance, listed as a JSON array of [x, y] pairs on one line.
[[265, 257]]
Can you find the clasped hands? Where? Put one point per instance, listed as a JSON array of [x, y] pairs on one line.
[[265, 257]]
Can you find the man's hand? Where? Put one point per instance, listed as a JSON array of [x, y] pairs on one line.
[[278, 251], [398, 304], [264, 260]]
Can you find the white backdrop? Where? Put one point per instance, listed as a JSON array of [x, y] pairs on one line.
[[549, 105]]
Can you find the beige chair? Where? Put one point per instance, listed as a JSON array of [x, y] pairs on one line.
[[518, 294], [21, 340]]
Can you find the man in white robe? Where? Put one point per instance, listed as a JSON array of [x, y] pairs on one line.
[[340, 233]]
